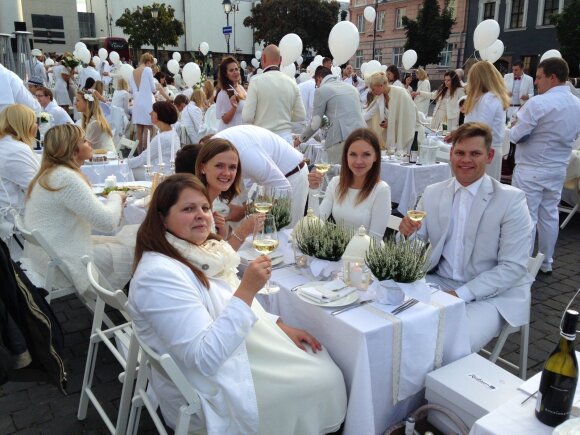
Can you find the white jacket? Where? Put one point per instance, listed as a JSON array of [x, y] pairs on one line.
[[526, 87]]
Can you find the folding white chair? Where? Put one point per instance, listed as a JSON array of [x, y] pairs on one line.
[[574, 186], [55, 263], [127, 143], [123, 335], [164, 365], [533, 266]]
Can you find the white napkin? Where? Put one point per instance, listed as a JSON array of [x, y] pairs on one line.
[[250, 254], [328, 292]]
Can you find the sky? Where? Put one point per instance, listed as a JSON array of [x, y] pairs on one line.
[[81, 6]]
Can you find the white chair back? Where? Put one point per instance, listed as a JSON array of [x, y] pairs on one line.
[[394, 222], [127, 143]]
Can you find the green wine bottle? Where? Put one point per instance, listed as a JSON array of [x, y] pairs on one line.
[[559, 376], [414, 152]]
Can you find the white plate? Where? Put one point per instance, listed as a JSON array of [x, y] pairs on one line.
[[342, 302]]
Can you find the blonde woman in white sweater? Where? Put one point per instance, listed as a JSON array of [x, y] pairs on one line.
[[63, 208], [423, 95]]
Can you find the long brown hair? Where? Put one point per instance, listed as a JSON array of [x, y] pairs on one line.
[[208, 151], [372, 177], [455, 84], [151, 234], [93, 111], [224, 83]]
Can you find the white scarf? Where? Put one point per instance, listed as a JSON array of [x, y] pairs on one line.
[[215, 258]]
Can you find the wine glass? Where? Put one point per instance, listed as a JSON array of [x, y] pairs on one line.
[[417, 214], [322, 165], [264, 199], [124, 169], [98, 167], [265, 242]]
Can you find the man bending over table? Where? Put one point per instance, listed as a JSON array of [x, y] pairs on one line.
[[479, 230]]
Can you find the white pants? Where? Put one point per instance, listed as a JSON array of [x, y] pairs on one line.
[[543, 189], [299, 183], [483, 319]]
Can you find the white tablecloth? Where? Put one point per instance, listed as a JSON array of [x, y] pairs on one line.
[[112, 167], [361, 342], [408, 182]]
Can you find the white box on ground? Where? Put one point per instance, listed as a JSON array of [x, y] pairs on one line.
[[470, 387]]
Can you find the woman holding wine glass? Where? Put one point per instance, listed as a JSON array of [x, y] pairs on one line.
[[231, 94], [253, 374], [357, 196]]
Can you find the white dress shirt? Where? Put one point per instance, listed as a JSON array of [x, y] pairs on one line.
[[58, 114], [451, 262], [192, 120], [13, 91], [222, 106], [18, 166]]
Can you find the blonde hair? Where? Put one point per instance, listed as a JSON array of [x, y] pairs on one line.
[[122, 84], [484, 77], [18, 121], [421, 74], [379, 78], [93, 111], [198, 97], [147, 58], [99, 86], [209, 90], [60, 148]]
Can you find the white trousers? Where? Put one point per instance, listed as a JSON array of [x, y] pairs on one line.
[[299, 183], [483, 319], [543, 189]]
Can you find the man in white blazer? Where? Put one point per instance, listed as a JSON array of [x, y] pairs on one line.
[[520, 88], [273, 100], [479, 230]]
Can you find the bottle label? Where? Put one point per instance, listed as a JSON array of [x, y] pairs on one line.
[[555, 398], [413, 157]]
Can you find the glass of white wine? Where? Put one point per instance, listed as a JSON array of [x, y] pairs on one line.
[[265, 242], [322, 165], [417, 214], [263, 199]]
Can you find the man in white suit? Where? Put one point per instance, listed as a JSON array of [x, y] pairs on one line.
[[340, 102], [479, 230], [520, 87], [273, 100]]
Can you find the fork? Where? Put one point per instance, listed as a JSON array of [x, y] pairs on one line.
[[404, 306]]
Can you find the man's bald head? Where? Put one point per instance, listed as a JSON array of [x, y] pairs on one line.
[[271, 56]]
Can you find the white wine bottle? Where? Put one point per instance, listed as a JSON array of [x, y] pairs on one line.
[[559, 376]]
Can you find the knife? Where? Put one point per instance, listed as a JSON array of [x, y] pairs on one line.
[[350, 307]]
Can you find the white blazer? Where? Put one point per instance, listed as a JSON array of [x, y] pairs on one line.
[[497, 244], [526, 88]]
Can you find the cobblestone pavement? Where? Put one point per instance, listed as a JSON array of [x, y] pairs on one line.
[[33, 408]]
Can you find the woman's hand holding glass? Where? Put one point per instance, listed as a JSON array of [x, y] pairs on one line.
[[256, 275], [220, 224], [266, 241], [322, 165]]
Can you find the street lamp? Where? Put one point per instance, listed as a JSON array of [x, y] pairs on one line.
[[227, 4], [155, 14]]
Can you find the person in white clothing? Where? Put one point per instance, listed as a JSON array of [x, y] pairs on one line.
[[350, 77], [143, 89], [487, 102], [38, 70], [192, 116], [14, 91], [422, 96], [544, 133], [163, 115], [58, 114], [97, 130], [307, 89], [357, 196], [269, 160], [520, 87], [479, 230], [231, 94], [87, 72], [394, 76], [122, 96], [62, 206], [253, 373]]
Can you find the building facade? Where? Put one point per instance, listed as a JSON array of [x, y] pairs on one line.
[[390, 38]]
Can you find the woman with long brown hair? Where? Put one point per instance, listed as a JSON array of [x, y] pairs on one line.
[[253, 374], [231, 94], [97, 129], [357, 196]]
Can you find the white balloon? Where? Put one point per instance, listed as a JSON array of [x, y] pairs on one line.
[[243, 64], [289, 70], [303, 77], [255, 63], [126, 71], [486, 33], [114, 56], [260, 71], [409, 59], [49, 62], [373, 66], [103, 53], [155, 60], [550, 53], [290, 48], [315, 123], [363, 68], [80, 45], [176, 56], [311, 69], [84, 55], [370, 14], [336, 70], [318, 59], [383, 69], [173, 66], [96, 60], [343, 41], [258, 55], [299, 60], [204, 48], [493, 52], [191, 73]]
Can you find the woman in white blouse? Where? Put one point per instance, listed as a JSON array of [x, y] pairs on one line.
[[394, 76], [163, 115], [192, 116], [231, 94], [18, 162], [422, 97], [358, 196], [122, 96], [487, 102], [253, 373], [97, 129]]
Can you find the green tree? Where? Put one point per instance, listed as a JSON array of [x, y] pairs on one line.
[[429, 33], [568, 31], [312, 20], [143, 29]]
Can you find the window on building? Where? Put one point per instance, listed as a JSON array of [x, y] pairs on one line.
[[87, 25], [47, 21], [399, 14], [381, 21], [551, 8], [517, 13], [48, 29], [360, 23], [398, 56], [358, 59], [446, 55], [378, 55], [489, 11], [360, 2]]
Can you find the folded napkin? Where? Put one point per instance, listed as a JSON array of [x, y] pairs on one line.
[[328, 292], [324, 268]]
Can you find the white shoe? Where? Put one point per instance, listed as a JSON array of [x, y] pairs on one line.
[[546, 269]]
